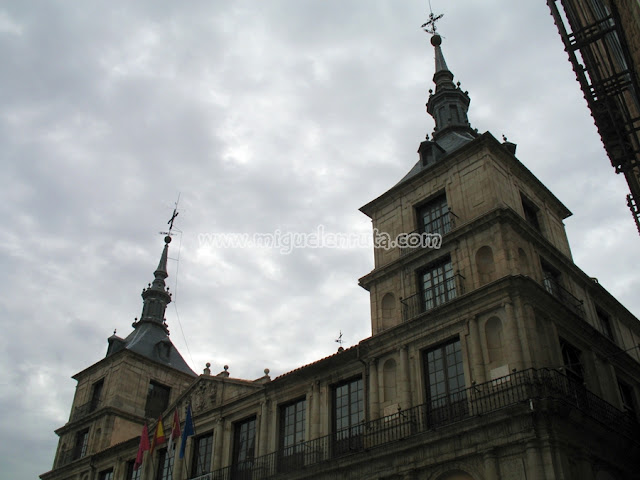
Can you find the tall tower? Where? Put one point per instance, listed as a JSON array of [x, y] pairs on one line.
[[133, 384]]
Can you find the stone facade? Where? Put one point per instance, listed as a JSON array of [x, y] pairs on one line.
[[491, 357]]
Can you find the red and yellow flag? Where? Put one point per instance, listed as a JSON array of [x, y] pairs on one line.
[[158, 436]]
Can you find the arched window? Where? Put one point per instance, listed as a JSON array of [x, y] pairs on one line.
[[493, 333], [485, 265], [389, 380], [388, 311]]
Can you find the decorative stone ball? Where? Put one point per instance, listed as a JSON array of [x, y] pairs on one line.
[[266, 371]]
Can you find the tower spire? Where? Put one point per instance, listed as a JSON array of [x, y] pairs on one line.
[[449, 104], [156, 297]]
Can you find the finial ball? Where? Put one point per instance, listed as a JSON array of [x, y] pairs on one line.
[[167, 239], [436, 40]]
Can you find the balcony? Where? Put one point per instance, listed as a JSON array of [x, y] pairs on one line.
[[479, 400], [71, 454], [84, 410], [552, 286], [415, 304], [424, 237]]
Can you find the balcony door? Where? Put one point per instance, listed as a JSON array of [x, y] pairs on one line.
[[446, 394]]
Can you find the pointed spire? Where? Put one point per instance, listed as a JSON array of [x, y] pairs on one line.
[[449, 104], [156, 297]]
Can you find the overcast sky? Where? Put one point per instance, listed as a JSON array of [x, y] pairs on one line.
[[263, 115]]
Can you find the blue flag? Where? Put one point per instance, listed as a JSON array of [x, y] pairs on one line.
[[187, 432]]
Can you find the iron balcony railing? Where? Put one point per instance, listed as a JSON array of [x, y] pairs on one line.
[[416, 304], [84, 410], [565, 296], [479, 400], [71, 454], [420, 238]]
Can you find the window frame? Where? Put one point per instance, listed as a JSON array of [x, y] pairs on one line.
[[350, 437], [246, 463], [604, 323], [131, 473], [531, 212], [106, 474], [452, 403], [202, 468], [151, 410], [442, 267], [164, 468], [439, 215]]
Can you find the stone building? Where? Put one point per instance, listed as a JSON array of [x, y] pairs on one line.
[[602, 39], [491, 357]]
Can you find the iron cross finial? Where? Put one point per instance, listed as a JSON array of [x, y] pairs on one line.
[[430, 25]]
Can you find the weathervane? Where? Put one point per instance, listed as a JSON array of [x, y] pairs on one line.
[[173, 217], [430, 25], [339, 339]]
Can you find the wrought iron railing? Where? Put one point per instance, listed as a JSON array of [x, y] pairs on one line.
[[71, 454], [552, 286], [419, 238], [521, 387], [415, 304], [84, 410]]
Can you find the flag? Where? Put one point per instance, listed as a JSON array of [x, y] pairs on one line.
[[187, 432], [158, 437], [175, 432], [144, 446]]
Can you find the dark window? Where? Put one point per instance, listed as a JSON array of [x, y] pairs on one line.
[[348, 415], [292, 434], [131, 473], [202, 451], [433, 217], [551, 280], [438, 284], [571, 357], [446, 394], [106, 475], [244, 444], [96, 395], [82, 442], [627, 397], [164, 470], [604, 324], [530, 213], [157, 399]]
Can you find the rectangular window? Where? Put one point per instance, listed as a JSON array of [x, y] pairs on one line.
[[157, 399], [82, 442], [571, 357], [627, 397], [551, 280], [164, 470], [446, 394], [96, 395], [348, 416], [106, 475], [202, 452], [244, 444], [131, 473], [604, 324], [292, 434], [438, 284], [530, 212], [433, 217]]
